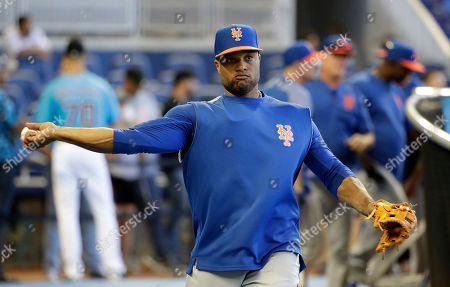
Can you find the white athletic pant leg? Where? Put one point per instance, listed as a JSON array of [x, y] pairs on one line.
[[98, 192], [282, 270], [67, 205], [200, 278]]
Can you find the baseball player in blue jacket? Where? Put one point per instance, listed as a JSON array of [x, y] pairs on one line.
[[241, 153]]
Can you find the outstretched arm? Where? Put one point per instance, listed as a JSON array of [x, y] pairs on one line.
[[167, 134], [37, 135], [338, 179], [353, 192]]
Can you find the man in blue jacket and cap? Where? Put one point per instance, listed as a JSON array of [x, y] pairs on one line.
[[241, 153], [385, 162]]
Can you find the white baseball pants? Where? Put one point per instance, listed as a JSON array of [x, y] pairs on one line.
[[75, 169], [280, 271]]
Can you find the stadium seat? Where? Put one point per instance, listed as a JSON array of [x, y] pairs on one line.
[[209, 92], [126, 60], [441, 12], [162, 94], [176, 62], [95, 65], [15, 93], [42, 68], [115, 77], [28, 81]]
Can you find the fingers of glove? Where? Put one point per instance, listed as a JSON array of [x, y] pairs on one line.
[[411, 218]]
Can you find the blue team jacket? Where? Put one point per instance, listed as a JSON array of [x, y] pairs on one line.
[[241, 158]]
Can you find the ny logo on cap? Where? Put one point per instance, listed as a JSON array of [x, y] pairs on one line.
[[236, 33], [285, 134]]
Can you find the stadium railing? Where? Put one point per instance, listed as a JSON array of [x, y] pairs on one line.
[[424, 110]]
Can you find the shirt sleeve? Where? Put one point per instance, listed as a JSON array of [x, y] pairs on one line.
[[164, 135], [324, 164]]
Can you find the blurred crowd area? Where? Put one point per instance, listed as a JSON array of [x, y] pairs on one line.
[[147, 85]]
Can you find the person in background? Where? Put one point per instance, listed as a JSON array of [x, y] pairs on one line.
[[78, 98], [412, 167], [137, 105], [185, 87], [385, 100], [312, 37], [27, 40], [245, 214], [51, 245], [435, 77], [346, 127], [51, 242], [299, 67], [9, 127], [411, 82], [30, 45], [385, 162]]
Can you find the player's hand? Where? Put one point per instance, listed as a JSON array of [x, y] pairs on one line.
[[37, 135], [360, 143]]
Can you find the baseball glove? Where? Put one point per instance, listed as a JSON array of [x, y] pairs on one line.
[[397, 221]]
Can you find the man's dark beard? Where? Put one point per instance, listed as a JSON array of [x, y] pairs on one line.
[[239, 90]]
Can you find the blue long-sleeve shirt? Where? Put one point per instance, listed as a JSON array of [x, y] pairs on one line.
[[175, 130], [339, 114], [385, 102], [241, 157]]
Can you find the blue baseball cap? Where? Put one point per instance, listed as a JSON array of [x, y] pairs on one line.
[[301, 50], [337, 45], [404, 54], [236, 37]]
